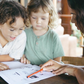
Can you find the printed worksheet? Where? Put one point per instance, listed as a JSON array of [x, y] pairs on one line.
[[18, 73]]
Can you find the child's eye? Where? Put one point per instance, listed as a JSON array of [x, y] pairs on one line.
[[11, 29], [34, 17], [43, 18], [21, 29]]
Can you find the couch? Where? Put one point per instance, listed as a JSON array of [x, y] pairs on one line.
[[69, 43]]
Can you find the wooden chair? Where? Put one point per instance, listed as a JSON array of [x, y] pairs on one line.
[[73, 60]]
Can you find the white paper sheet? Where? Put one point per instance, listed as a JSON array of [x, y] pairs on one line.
[[18, 73]]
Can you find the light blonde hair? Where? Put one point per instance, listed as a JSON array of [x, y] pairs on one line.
[[47, 6]]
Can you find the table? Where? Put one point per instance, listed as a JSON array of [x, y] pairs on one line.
[[61, 79]]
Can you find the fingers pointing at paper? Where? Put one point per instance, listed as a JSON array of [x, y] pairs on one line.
[[51, 65], [59, 68], [3, 67]]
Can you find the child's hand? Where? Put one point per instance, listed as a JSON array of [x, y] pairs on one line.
[[24, 60], [3, 67]]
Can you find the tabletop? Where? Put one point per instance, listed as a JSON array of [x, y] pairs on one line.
[[61, 79]]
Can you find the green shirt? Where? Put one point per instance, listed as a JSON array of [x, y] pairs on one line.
[[40, 49]]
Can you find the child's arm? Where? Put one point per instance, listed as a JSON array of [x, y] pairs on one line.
[[24, 60], [58, 59], [5, 58], [58, 50]]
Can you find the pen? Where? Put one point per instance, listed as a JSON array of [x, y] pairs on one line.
[[35, 73]]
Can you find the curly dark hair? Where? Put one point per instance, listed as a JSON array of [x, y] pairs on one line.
[[78, 7], [11, 10]]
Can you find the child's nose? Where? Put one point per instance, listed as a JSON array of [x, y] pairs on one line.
[[38, 20], [17, 33]]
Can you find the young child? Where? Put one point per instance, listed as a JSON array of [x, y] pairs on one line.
[[12, 37], [42, 42]]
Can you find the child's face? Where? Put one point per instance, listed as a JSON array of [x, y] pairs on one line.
[[39, 20], [10, 32]]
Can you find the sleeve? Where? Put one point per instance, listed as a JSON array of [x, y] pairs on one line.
[[58, 50], [18, 46]]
